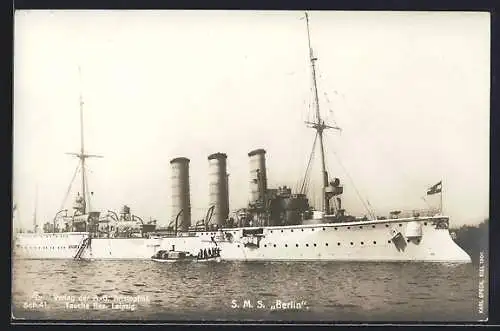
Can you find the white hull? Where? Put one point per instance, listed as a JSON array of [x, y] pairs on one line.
[[171, 261], [65, 246], [214, 259], [419, 241]]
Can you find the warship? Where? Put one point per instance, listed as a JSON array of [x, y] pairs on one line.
[[277, 224]]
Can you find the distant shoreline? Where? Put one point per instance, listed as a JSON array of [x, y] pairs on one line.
[[473, 239]]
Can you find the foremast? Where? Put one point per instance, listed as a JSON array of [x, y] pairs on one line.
[[319, 124]]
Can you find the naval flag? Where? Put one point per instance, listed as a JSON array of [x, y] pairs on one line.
[[434, 189]]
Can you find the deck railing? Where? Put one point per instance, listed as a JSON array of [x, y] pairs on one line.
[[414, 213]]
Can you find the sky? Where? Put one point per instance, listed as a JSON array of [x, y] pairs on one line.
[[410, 91]]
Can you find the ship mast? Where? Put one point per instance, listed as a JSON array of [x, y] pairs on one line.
[[82, 156], [319, 125]]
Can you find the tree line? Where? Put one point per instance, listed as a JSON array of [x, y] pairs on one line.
[[473, 239]]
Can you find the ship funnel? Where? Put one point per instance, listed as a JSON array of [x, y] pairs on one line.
[[180, 192], [258, 177], [218, 187]]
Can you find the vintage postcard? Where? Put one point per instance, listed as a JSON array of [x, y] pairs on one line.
[[250, 166]]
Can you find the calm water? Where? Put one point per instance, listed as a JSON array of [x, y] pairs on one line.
[[328, 291]]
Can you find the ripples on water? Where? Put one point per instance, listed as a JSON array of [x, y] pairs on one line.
[[334, 291]]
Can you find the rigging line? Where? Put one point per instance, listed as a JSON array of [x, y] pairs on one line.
[[330, 108], [308, 168], [319, 80], [70, 185], [370, 212], [322, 82], [306, 176], [397, 170], [310, 182], [330, 114], [88, 193], [310, 106], [307, 183]]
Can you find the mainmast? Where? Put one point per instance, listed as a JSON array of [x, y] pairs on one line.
[[82, 149], [82, 156], [319, 125]]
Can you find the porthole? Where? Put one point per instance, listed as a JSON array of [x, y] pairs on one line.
[[286, 245], [314, 245], [373, 226], [388, 241], [324, 229], [335, 228], [302, 230], [312, 229], [408, 240], [281, 230], [352, 243], [362, 243], [374, 242], [265, 245], [271, 231], [425, 223], [400, 224], [296, 245], [338, 244], [326, 244], [348, 228], [238, 245], [274, 245], [387, 225], [307, 245], [291, 230], [360, 227]]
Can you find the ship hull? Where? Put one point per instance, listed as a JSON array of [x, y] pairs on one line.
[[66, 245], [48, 245], [408, 240], [405, 240], [437, 247]]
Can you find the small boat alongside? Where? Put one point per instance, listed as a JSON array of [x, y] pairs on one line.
[[210, 254], [210, 259], [172, 256]]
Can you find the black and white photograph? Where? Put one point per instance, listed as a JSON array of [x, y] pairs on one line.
[[244, 165]]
